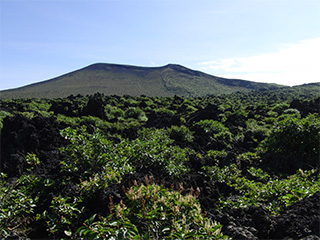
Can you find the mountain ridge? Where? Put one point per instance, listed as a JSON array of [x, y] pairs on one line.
[[118, 79]]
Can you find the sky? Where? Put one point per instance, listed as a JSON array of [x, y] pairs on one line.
[[274, 41]]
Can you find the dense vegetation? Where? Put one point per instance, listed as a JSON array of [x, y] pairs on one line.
[[114, 167]]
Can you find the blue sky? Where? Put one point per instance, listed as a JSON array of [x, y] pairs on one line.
[[259, 40]]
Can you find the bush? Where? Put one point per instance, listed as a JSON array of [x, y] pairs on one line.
[[272, 193], [135, 113], [113, 112], [165, 111], [258, 131], [88, 154], [295, 140], [180, 133], [62, 217], [3, 115], [153, 212], [216, 129], [153, 150], [17, 206]]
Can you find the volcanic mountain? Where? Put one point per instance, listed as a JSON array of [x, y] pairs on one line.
[[115, 79]]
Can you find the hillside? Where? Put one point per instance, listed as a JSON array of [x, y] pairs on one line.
[[113, 79]]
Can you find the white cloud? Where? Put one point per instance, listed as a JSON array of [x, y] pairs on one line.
[[293, 64]]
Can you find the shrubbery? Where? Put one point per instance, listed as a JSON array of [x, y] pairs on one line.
[[272, 193], [153, 212], [215, 129], [295, 142], [256, 149], [90, 153]]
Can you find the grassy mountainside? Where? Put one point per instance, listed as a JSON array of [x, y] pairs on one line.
[[112, 79]]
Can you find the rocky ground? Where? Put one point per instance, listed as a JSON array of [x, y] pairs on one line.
[[41, 136]]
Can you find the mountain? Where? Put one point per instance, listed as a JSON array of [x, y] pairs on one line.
[[115, 79]]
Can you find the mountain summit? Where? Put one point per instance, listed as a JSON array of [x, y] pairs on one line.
[[115, 79]]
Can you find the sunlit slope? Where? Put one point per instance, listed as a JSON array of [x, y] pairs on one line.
[[113, 79]]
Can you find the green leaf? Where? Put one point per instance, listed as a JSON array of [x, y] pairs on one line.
[[146, 236], [167, 229], [132, 227], [68, 233], [114, 224], [91, 219]]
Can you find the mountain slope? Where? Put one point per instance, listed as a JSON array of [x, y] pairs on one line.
[[113, 79]]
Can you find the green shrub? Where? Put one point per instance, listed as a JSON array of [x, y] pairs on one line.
[[135, 113], [153, 212], [280, 107], [113, 112], [297, 138], [17, 205], [249, 157], [153, 149], [165, 111], [40, 106], [32, 161], [216, 154], [88, 154], [180, 133], [62, 217], [289, 113], [272, 193], [216, 129], [3, 115], [259, 131], [71, 121], [91, 153], [29, 115]]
